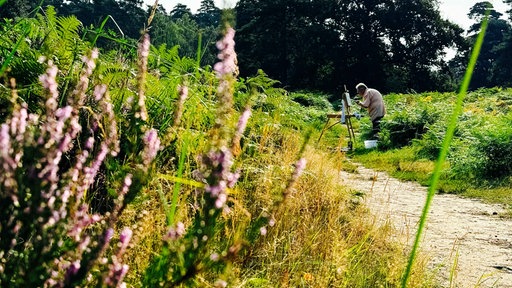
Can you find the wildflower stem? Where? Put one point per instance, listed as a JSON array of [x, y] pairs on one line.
[[177, 186]]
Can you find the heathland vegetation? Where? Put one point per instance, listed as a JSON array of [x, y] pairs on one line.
[[126, 163]]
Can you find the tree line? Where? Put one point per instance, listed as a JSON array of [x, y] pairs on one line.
[[395, 46]]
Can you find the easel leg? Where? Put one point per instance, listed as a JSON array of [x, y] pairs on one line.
[[325, 129]]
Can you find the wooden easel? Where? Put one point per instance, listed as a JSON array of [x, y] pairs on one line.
[[345, 118]]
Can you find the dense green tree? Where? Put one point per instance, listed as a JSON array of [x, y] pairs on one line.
[[184, 32], [127, 17], [502, 74], [503, 65], [179, 11], [208, 14], [487, 72]]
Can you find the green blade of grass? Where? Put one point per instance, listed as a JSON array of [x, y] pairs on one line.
[[445, 147], [177, 186]]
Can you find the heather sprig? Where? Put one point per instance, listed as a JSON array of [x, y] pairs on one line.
[[118, 270], [140, 108], [182, 96], [226, 71]]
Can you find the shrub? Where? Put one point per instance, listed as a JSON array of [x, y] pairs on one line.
[[408, 124], [307, 99], [495, 148]]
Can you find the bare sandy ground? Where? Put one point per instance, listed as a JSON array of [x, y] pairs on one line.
[[462, 233]]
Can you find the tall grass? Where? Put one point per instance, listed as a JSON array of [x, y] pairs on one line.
[[445, 148]]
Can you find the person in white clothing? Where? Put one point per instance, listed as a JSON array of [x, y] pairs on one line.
[[374, 103]]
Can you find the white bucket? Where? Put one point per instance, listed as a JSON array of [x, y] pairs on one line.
[[369, 144]]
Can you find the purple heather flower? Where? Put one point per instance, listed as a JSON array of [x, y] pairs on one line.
[[19, 123], [216, 190], [175, 233], [214, 257], [125, 237], [99, 91], [227, 55], [109, 233], [216, 167], [116, 275], [232, 178], [106, 108], [221, 200], [144, 46], [49, 82], [143, 51], [89, 143], [299, 168], [117, 269], [220, 283], [82, 220], [72, 269], [126, 184], [90, 172], [5, 150], [79, 95], [151, 147], [183, 94], [242, 122]]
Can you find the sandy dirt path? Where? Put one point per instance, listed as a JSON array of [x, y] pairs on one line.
[[472, 229]]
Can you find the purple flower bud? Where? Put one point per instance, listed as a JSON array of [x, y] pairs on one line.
[[214, 257], [151, 146], [299, 167], [227, 55], [99, 92], [72, 269], [242, 122], [108, 235], [125, 236], [175, 233]]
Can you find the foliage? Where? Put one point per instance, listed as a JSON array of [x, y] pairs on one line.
[[16, 8], [315, 45], [44, 36], [488, 66], [408, 117], [489, 156], [208, 15], [309, 99]]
